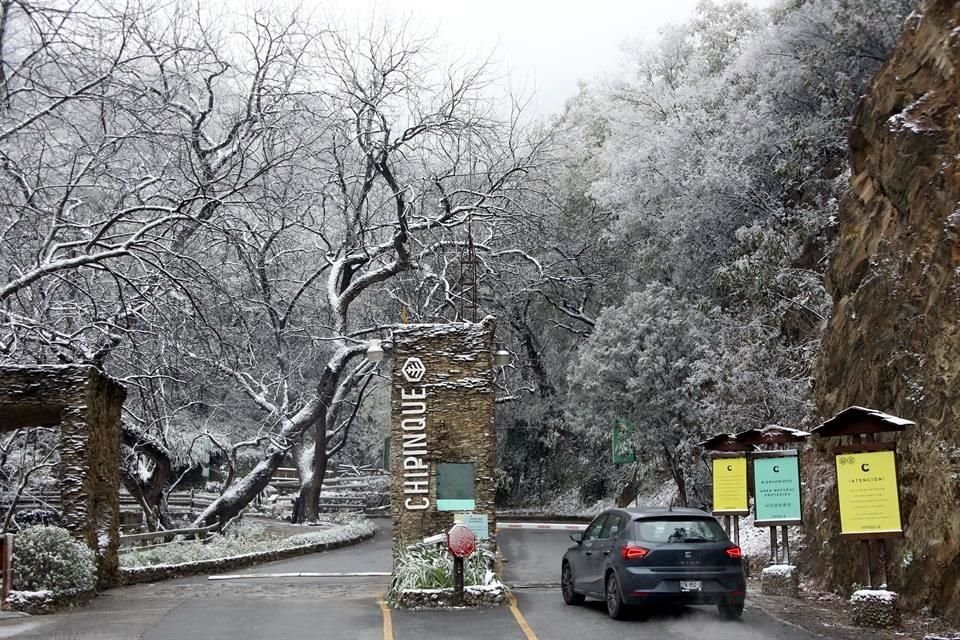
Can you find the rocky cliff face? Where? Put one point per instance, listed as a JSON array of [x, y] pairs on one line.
[[893, 342]]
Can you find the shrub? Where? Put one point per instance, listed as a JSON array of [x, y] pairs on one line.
[[50, 559]]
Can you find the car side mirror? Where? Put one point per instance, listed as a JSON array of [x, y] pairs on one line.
[[577, 537]]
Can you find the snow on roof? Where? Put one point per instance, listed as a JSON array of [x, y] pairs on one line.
[[886, 417], [771, 434], [857, 419], [725, 442]]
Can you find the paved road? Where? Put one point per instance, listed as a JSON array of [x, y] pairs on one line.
[[533, 563], [349, 608]]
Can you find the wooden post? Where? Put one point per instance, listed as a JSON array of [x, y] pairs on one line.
[[6, 564], [726, 525], [736, 530], [869, 575], [774, 556], [786, 545]]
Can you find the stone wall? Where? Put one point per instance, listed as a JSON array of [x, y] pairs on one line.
[[893, 342], [457, 382], [86, 404]]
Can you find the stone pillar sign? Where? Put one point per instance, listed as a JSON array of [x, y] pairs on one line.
[[443, 441]]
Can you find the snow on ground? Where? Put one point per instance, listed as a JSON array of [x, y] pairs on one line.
[[755, 541]]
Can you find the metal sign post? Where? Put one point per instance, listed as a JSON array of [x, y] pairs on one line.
[[777, 497], [730, 491], [777, 501], [461, 542]]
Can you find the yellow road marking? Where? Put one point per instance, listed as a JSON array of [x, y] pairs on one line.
[[387, 620], [527, 631]]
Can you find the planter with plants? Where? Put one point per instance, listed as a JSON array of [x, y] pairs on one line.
[[423, 578]]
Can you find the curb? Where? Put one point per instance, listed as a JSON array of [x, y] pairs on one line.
[[157, 573], [552, 526], [542, 517]]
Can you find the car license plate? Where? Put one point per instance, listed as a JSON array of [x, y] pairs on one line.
[[690, 585]]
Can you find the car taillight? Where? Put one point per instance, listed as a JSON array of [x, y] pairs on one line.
[[735, 552], [633, 552]]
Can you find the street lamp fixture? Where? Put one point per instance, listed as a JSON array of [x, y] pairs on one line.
[[375, 351], [501, 357]]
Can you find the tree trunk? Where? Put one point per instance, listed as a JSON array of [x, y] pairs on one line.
[[242, 492], [310, 490], [630, 491], [149, 492], [673, 463], [534, 357]]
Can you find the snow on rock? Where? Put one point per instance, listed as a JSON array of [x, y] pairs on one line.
[[875, 608], [874, 594], [45, 601], [780, 580], [21, 596], [780, 569]]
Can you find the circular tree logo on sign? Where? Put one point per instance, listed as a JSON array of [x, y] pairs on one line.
[[413, 370]]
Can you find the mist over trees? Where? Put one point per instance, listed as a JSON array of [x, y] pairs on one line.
[[696, 205], [221, 211]]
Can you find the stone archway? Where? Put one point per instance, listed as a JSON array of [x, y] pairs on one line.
[[86, 405]]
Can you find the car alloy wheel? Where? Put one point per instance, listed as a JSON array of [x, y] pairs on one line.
[[615, 607], [566, 586]]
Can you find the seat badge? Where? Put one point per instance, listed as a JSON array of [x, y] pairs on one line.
[[687, 554]]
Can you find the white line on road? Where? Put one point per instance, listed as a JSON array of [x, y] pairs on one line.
[[541, 525], [305, 574]]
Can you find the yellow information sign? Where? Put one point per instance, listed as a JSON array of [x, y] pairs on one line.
[[730, 486], [867, 486]]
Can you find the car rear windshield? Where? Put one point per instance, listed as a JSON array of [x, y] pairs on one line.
[[664, 530]]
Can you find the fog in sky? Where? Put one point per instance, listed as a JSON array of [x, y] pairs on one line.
[[540, 47]]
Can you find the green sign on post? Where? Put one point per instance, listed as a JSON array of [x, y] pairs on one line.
[[455, 487], [776, 482], [623, 451]]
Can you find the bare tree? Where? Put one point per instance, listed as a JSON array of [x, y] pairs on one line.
[[409, 155], [124, 136]]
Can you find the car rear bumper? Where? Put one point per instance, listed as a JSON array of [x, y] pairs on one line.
[[640, 585]]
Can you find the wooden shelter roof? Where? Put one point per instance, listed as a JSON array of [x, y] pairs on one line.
[[861, 420], [771, 434], [726, 442]]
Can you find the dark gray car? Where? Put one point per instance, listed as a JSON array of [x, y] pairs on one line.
[[652, 557]]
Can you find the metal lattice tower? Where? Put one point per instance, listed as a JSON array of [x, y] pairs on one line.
[[469, 291]]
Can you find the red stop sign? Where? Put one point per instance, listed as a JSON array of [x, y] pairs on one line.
[[461, 541]]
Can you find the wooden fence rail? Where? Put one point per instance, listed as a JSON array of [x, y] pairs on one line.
[[201, 531]]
